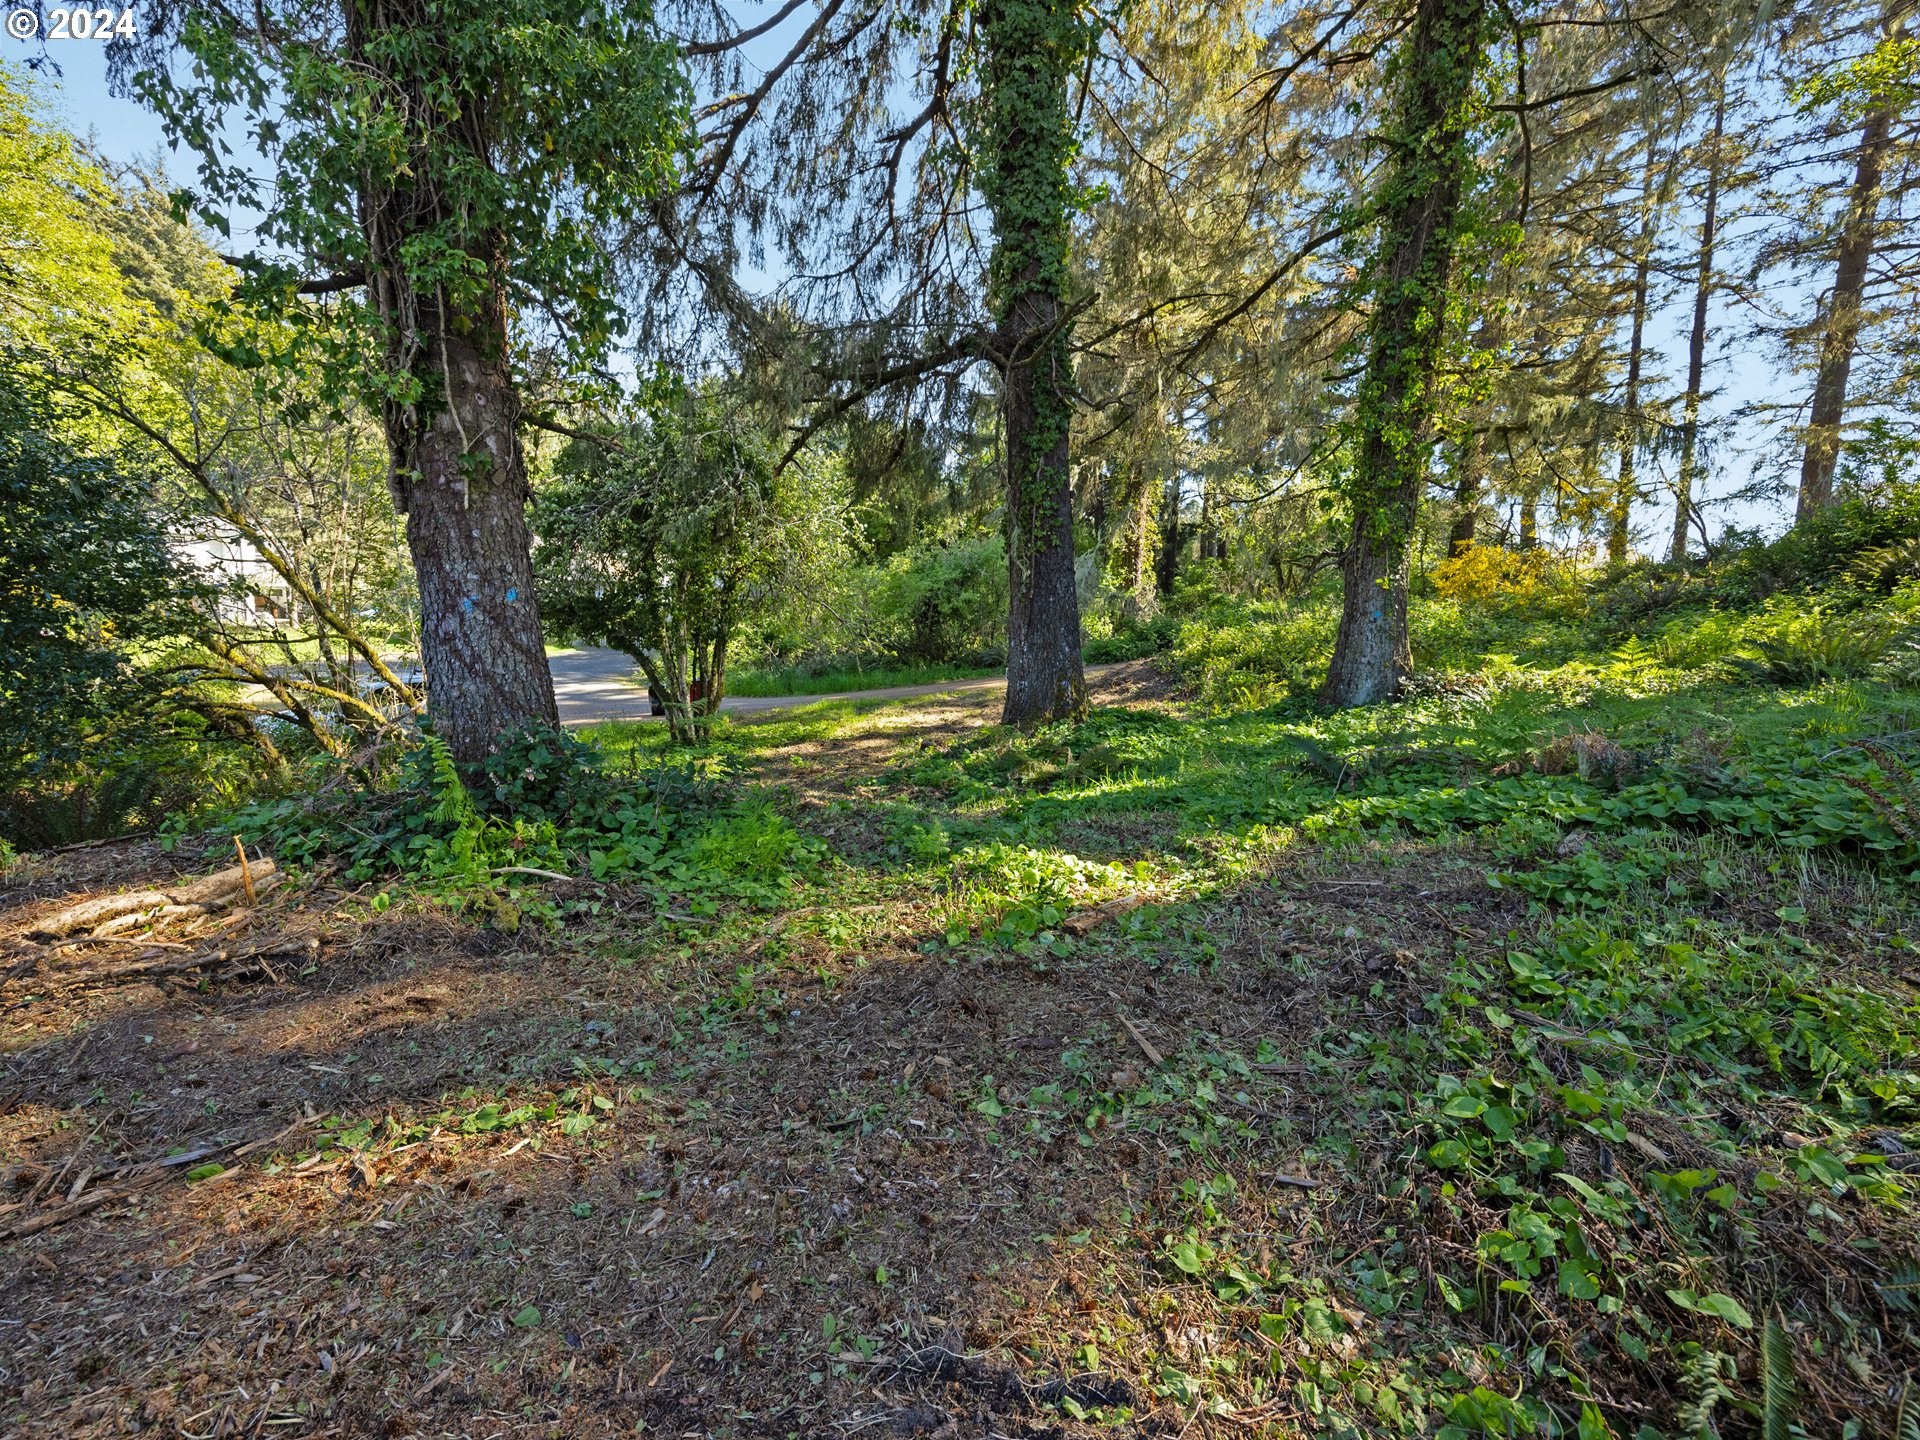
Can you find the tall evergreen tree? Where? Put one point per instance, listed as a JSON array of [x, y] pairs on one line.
[[1419, 208], [1843, 309], [1031, 50], [1687, 488]]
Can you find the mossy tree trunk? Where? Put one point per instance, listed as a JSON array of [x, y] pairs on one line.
[[1419, 210], [1031, 49]]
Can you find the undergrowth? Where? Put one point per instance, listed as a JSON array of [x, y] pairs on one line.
[[545, 806]]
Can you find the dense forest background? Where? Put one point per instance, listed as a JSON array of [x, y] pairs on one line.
[[1225, 305]]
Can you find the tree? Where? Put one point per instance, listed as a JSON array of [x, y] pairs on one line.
[[1626, 489], [59, 289], [1032, 48], [1686, 490], [300, 490], [1419, 209], [665, 542], [1857, 240], [443, 173], [86, 571]]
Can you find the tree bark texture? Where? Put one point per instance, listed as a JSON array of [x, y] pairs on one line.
[[480, 639], [1857, 236], [1419, 209], [1045, 680]]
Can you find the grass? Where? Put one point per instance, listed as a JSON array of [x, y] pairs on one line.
[[799, 680], [1534, 1056]]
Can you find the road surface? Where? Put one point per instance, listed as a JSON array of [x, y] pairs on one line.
[[593, 685]]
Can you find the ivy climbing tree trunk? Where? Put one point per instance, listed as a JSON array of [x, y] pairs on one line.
[[1032, 47], [452, 419], [1419, 208], [1857, 235], [1683, 497]]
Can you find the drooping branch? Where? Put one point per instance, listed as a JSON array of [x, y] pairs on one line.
[[354, 277], [696, 49]]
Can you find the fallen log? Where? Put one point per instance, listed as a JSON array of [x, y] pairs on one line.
[[241, 958], [218, 891]]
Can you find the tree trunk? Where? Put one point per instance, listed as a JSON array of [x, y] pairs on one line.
[[1168, 572], [1418, 210], [458, 471], [1140, 545], [1697, 337], [1843, 316], [1620, 508], [1032, 47], [1206, 520], [480, 640], [1044, 676]]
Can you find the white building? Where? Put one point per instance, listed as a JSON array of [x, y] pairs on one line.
[[252, 591]]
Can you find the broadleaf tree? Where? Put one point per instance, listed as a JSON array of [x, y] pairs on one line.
[[442, 175], [664, 541]]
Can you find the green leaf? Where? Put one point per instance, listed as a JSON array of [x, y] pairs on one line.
[[206, 1171], [527, 1316], [1190, 1256], [1724, 1307]]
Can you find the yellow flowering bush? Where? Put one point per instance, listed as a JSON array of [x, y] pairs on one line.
[[1488, 574]]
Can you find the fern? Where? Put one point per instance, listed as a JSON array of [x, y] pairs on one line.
[[1708, 1376], [1778, 1401], [1899, 803], [1318, 757], [1884, 566], [1901, 1290], [453, 806], [1907, 1426]]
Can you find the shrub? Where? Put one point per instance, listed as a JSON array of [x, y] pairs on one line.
[[664, 548], [1238, 655], [1694, 642], [538, 772], [1864, 539], [1132, 641], [1489, 575], [544, 802], [1645, 590], [946, 603], [1802, 643]]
